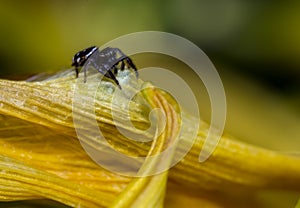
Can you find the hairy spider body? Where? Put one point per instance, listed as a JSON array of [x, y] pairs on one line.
[[104, 61]]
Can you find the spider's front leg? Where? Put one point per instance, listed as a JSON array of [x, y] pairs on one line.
[[76, 67], [77, 71]]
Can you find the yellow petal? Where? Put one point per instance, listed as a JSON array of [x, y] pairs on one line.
[[41, 156]]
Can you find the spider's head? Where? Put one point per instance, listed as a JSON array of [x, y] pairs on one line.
[[81, 57]]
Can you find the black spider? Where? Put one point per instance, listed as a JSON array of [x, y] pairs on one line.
[[106, 60]]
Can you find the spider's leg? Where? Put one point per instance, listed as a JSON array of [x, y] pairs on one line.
[[126, 60], [77, 71], [122, 65], [132, 65], [106, 71], [114, 67], [107, 75], [112, 76]]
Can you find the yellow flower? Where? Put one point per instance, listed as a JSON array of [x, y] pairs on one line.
[[41, 157]]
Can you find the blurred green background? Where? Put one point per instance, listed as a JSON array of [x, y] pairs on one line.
[[255, 46]]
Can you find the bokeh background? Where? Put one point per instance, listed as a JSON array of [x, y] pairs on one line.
[[255, 46]]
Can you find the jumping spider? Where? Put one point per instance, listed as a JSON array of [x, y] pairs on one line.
[[106, 61]]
